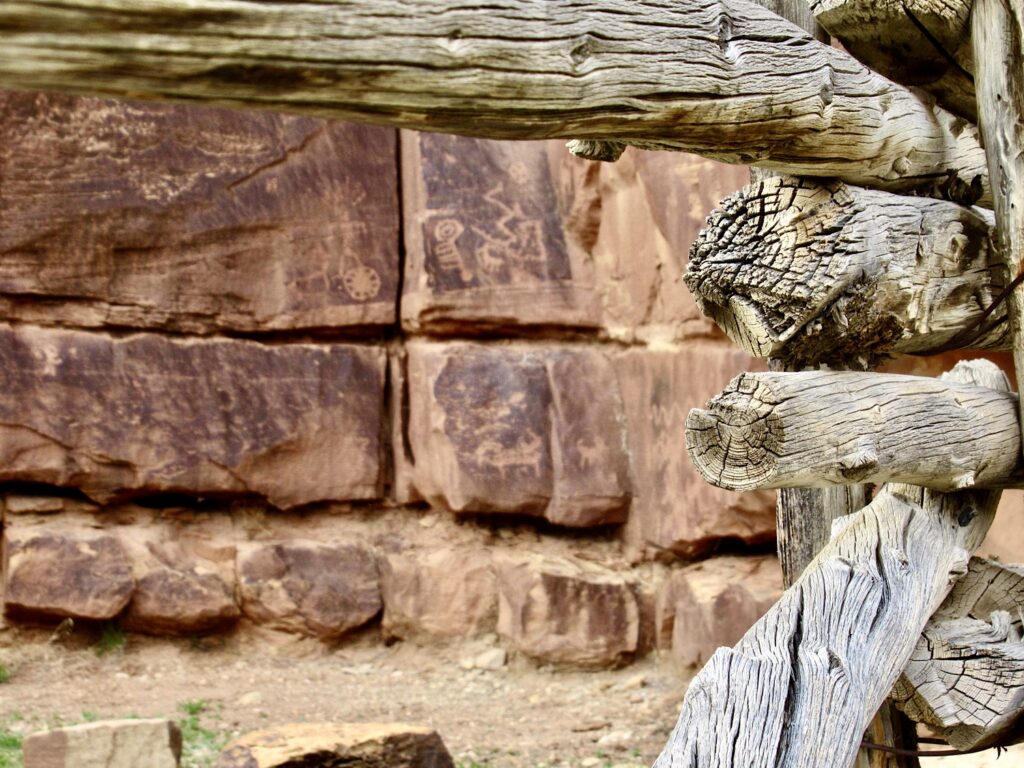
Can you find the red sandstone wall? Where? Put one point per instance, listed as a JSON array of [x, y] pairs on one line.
[[320, 378]]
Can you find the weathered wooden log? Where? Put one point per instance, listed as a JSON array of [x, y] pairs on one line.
[[965, 677], [800, 687], [809, 272], [923, 43], [997, 33], [818, 428], [723, 78]]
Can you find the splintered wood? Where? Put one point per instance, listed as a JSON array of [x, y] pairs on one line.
[[965, 677], [825, 272], [802, 685], [723, 78]]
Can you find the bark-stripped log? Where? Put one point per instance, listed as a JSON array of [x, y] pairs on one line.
[[810, 272], [800, 687], [723, 78], [997, 32], [818, 428], [923, 43], [966, 676]]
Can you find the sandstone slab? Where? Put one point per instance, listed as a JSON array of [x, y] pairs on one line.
[[295, 423], [517, 430], [144, 215], [323, 590], [674, 512], [58, 572], [566, 611], [485, 243], [331, 745], [180, 602], [110, 743], [448, 592], [522, 235], [712, 604]]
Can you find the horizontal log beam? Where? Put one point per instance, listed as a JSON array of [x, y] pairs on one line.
[[723, 78], [825, 272], [922, 43], [803, 683], [820, 428], [965, 677]]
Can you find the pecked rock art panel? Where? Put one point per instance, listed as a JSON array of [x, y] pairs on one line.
[[194, 219], [503, 429], [116, 417], [521, 236]]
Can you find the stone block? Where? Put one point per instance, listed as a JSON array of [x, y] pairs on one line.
[[184, 570], [322, 590], [485, 244], [519, 236], [675, 512], [567, 611], [294, 423], [331, 745], [499, 429], [58, 572], [109, 743], [712, 604], [445, 593], [195, 219]]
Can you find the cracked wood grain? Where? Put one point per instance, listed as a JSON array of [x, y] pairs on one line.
[[820, 428], [997, 33], [810, 272], [723, 78], [803, 683], [965, 678], [921, 43]]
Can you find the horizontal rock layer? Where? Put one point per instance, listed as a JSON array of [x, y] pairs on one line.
[[114, 416], [194, 219]]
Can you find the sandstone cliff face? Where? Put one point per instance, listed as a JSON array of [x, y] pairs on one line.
[[242, 383]]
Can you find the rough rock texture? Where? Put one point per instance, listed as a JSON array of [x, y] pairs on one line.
[[444, 593], [193, 219], [674, 512], [566, 611], [179, 590], [713, 603], [324, 590], [58, 571], [520, 235], [295, 423], [518, 430], [109, 743], [332, 745]]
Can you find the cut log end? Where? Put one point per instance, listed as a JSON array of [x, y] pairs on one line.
[[734, 442]]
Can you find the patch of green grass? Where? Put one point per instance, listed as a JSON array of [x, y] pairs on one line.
[[5, 674], [201, 743], [10, 747], [112, 640]]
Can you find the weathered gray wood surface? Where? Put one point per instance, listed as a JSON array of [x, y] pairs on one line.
[[809, 272], [803, 683], [818, 428], [966, 675], [726, 79], [889, 36], [997, 33]]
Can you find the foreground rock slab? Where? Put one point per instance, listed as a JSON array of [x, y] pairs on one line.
[[110, 743], [331, 745]]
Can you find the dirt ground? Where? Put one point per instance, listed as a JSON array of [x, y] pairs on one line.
[[517, 716]]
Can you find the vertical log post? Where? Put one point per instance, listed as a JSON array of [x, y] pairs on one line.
[[997, 34]]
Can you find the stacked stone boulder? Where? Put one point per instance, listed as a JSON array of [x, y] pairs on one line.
[[327, 379]]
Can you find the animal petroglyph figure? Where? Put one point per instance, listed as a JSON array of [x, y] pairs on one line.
[[524, 454], [447, 231]]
